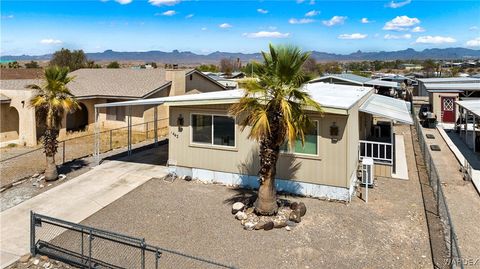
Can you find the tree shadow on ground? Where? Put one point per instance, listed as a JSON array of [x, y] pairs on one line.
[[71, 166], [246, 192], [147, 154]]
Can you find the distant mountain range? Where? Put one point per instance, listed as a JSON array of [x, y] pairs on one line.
[[187, 57]]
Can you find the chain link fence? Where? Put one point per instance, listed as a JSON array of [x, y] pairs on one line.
[[454, 256], [25, 164], [87, 247]]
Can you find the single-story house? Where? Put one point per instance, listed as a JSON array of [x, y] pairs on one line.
[[95, 86], [229, 84], [381, 86], [420, 89], [443, 96], [200, 125]]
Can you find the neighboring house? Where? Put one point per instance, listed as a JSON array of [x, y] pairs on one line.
[[326, 167], [443, 97], [94, 86], [411, 67], [227, 83], [420, 89], [382, 87]]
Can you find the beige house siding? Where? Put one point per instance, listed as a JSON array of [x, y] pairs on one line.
[[435, 99], [196, 81], [26, 117], [9, 123], [332, 166]]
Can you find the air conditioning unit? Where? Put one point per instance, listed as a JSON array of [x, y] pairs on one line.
[[367, 172]]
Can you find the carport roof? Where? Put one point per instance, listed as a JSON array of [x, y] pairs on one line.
[[471, 105], [388, 107]]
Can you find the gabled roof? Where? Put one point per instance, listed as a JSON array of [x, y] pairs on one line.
[[18, 84], [352, 78], [129, 83]]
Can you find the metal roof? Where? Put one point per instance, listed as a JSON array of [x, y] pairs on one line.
[[471, 105], [449, 80], [391, 108], [333, 96], [382, 83], [344, 76], [453, 86]]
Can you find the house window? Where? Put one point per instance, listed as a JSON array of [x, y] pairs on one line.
[[115, 113], [310, 146], [213, 130]]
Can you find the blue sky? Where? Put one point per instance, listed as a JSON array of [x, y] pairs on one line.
[[38, 27]]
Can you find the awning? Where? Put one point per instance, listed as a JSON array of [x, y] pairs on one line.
[[388, 107], [470, 105]]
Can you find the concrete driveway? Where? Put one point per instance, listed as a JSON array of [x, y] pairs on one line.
[[76, 199]]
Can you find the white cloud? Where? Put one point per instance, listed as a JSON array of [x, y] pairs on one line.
[[335, 20], [365, 20], [312, 2], [50, 41], [189, 16], [169, 13], [263, 11], [434, 39], [204, 28], [394, 4], [418, 29], [352, 36], [225, 25], [405, 36], [400, 23], [163, 2], [474, 42], [266, 34], [473, 28], [123, 2], [300, 21], [312, 13], [8, 17]]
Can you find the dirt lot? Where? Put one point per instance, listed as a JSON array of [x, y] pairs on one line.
[[193, 218]]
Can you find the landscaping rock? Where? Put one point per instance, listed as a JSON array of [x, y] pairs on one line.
[[41, 186], [288, 228], [238, 206], [62, 177], [188, 178], [241, 215], [291, 223], [302, 208], [36, 261], [249, 226], [294, 206], [268, 226], [279, 224], [295, 216], [44, 258], [35, 175], [259, 225], [35, 184], [41, 178], [25, 258], [249, 210]]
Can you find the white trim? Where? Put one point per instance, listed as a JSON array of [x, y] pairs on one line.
[[212, 144]]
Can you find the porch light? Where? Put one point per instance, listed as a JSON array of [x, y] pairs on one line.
[[180, 120], [334, 132]]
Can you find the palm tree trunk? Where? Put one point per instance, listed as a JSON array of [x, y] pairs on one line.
[[266, 203], [51, 172]]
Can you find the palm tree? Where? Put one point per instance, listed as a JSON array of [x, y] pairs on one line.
[[51, 101], [274, 107]]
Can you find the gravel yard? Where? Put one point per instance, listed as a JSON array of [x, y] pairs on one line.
[[194, 218]]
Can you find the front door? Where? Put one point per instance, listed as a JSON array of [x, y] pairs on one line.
[[448, 109]]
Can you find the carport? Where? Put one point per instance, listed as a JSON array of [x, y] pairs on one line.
[[469, 111]]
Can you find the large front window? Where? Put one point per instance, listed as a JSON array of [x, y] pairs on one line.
[[213, 130], [310, 146]]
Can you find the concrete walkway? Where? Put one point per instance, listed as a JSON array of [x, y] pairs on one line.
[[401, 169], [74, 201]]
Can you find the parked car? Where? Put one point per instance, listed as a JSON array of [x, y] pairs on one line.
[[424, 109]]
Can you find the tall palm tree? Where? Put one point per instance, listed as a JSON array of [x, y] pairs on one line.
[[274, 106], [51, 101]]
